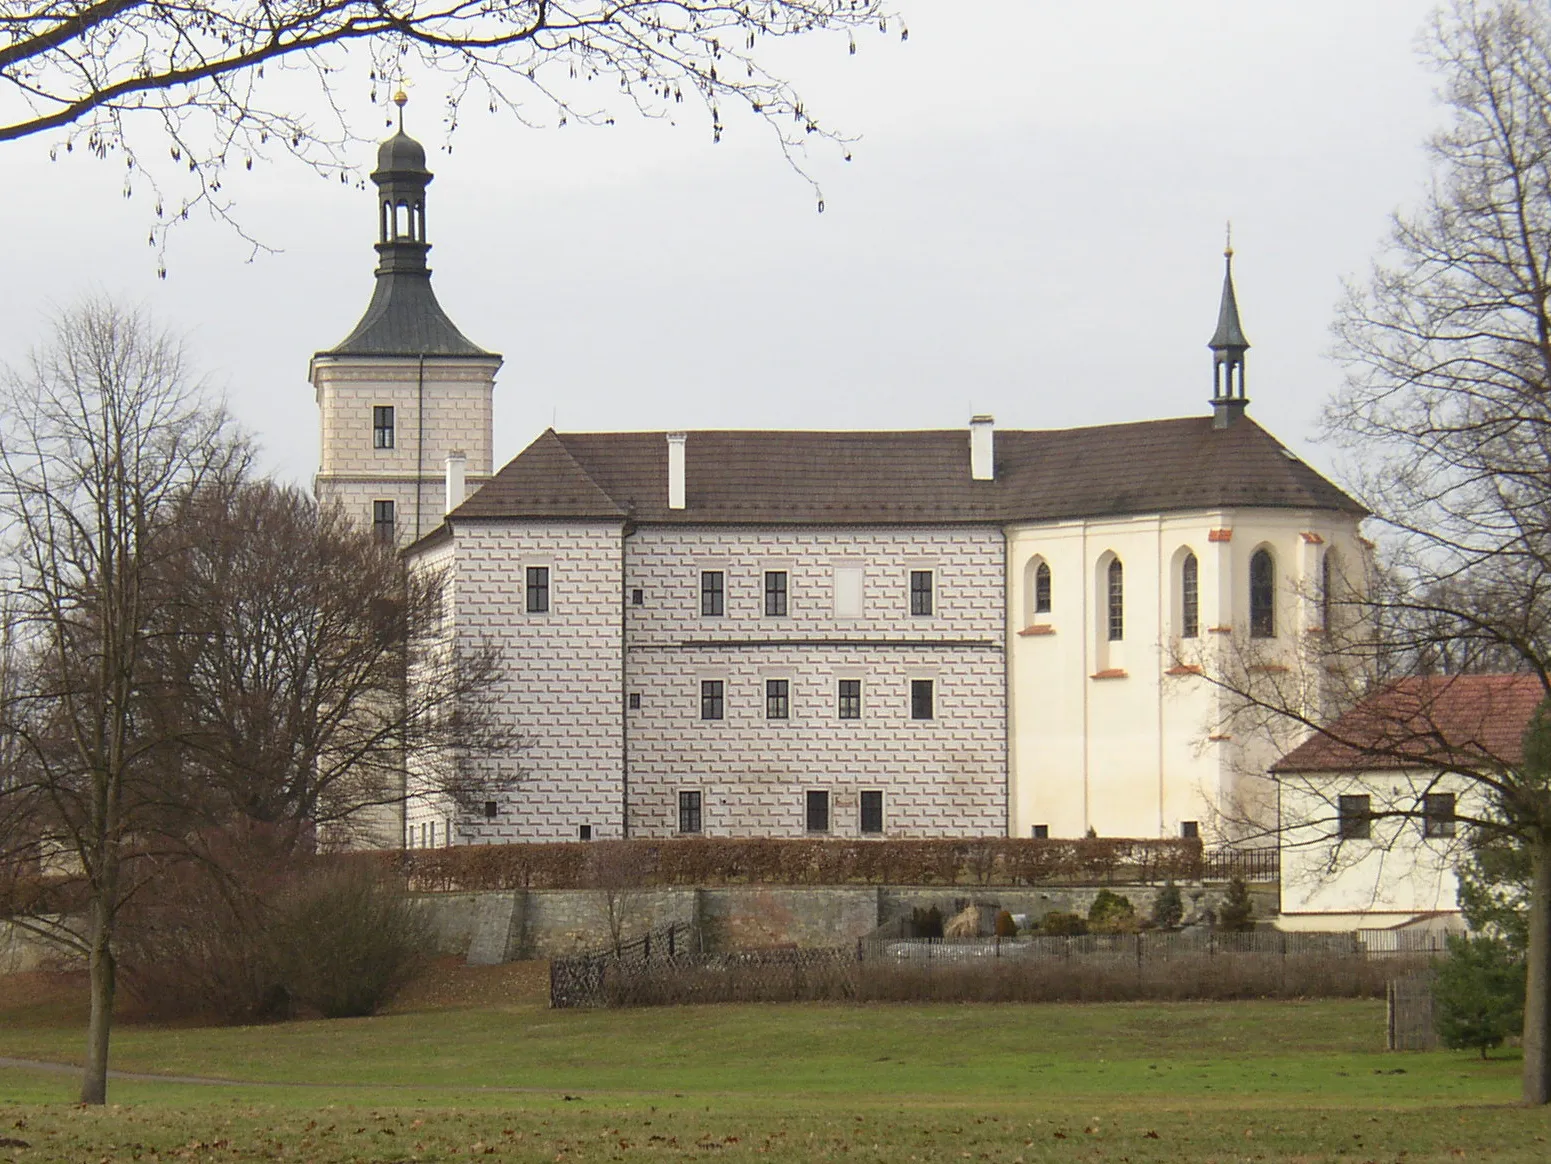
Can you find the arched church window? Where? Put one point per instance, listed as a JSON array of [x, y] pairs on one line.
[[1262, 595], [1189, 597], [1042, 588], [1116, 588]]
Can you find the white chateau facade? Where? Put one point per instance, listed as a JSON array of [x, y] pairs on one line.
[[917, 634]]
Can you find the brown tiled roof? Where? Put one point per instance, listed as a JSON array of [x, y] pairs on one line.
[[772, 477], [1426, 722]]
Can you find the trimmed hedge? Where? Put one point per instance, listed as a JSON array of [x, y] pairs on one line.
[[690, 861]]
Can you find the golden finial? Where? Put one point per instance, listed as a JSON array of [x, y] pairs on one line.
[[1228, 247], [401, 99]]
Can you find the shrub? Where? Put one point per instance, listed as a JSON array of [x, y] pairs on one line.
[[926, 923], [1005, 926], [1062, 924], [349, 940], [1111, 913], [1237, 914], [1479, 992], [1168, 907]]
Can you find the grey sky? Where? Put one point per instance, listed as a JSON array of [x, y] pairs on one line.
[[1031, 227]]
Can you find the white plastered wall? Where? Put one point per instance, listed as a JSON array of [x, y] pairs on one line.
[[1384, 880]]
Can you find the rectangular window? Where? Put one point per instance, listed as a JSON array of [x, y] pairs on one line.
[[538, 589], [775, 592], [712, 705], [850, 693], [713, 593], [689, 812], [1438, 814], [921, 691], [490, 810], [584, 833], [848, 592], [872, 813], [382, 426], [1041, 832], [1354, 818], [920, 592], [637, 597], [818, 812], [634, 701], [778, 703], [1189, 829], [382, 520]]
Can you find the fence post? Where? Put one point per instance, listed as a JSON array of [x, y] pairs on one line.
[[859, 949], [672, 927], [646, 947]]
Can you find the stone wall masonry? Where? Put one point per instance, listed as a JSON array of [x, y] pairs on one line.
[[549, 922], [560, 685]]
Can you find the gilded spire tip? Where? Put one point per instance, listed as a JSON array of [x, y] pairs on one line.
[[1227, 252]]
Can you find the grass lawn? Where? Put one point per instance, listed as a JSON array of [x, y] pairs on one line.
[[476, 1064]]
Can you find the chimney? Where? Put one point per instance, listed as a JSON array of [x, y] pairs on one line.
[[456, 463], [676, 469], [982, 448]]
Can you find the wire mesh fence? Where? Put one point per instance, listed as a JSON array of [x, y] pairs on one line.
[[1410, 1021]]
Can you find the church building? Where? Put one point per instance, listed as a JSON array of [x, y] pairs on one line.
[[960, 632]]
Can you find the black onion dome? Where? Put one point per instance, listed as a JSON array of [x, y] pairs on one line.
[[401, 154]]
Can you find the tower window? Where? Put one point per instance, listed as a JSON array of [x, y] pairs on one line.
[[713, 593], [1117, 601], [538, 590], [382, 426], [1189, 597], [920, 592], [1262, 595], [775, 592], [1042, 588], [382, 521]]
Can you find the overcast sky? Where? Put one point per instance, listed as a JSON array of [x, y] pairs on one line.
[[1032, 227]]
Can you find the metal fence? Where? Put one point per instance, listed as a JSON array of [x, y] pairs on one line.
[[1263, 864], [887, 944], [586, 979]]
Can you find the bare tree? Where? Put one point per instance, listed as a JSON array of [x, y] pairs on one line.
[[1446, 415], [100, 440], [224, 83], [306, 675]]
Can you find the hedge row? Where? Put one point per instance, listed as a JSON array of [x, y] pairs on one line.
[[768, 861]]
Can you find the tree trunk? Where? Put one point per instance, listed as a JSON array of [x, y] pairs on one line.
[[1537, 986], [94, 1083]]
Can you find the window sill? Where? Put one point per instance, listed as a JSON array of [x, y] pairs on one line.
[[1038, 628], [1219, 630], [1185, 669], [1268, 668], [1110, 673], [1219, 535], [1218, 739]]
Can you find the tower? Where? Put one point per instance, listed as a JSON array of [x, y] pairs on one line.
[[405, 393], [1228, 347]]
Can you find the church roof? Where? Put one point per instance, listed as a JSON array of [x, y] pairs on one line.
[[785, 478], [1426, 722]]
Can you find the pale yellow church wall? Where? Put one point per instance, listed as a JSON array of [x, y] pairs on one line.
[[1101, 735]]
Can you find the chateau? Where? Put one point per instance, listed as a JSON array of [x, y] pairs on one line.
[[780, 633]]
